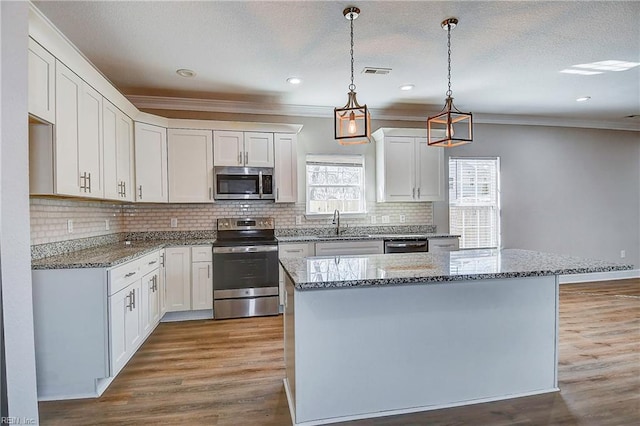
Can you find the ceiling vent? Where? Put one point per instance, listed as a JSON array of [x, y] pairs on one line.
[[372, 70]]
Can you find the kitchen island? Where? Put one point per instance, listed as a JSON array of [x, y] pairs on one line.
[[378, 335]]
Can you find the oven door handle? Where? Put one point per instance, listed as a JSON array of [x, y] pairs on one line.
[[260, 183], [244, 249]]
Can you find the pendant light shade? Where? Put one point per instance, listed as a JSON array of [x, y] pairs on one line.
[[451, 127], [352, 122]]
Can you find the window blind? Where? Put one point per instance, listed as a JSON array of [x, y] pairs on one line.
[[335, 182], [474, 201]]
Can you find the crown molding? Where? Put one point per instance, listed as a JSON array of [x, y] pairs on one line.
[[265, 108]]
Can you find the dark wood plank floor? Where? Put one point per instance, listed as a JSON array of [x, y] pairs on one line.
[[230, 373]]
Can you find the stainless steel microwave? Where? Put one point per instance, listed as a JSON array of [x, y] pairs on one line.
[[243, 183]]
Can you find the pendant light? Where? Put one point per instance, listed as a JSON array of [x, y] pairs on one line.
[[450, 127], [352, 122]]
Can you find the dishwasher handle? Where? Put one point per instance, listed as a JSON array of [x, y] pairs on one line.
[[406, 245]]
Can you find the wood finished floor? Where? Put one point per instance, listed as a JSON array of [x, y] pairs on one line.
[[230, 373]]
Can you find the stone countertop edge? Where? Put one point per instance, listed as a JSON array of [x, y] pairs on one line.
[[573, 265], [372, 237], [110, 255]]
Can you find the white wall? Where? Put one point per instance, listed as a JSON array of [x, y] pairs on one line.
[[564, 190], [15, 272]]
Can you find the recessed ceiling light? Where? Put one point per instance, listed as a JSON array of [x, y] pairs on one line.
[[581, 72], [583, 98], [407, 87], [294, 80], [184, 72], [610, 65]]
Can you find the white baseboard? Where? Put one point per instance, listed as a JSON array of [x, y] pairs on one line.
[[599, 276], [187, 315]]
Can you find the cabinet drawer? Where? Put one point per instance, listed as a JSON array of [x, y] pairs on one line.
[[443, 244], [149, 262], [201, 254], [294, 250], [123, 275], [349, 248]]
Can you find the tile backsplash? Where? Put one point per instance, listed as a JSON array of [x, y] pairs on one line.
[[49, 217]]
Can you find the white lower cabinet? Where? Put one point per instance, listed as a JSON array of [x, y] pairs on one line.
[[79, 351], [189, 278], [125, 325], [340, 248], [292, 250], [443, 244]]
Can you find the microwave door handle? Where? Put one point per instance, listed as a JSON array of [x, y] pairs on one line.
[[260, 183]]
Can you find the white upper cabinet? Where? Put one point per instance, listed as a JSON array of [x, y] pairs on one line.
[[151, 163], [190, 158], [258, 149], [286, 168], [90, 143], [243, 149], [42, 78], [228, 148], [78, 137], [407, 169], [66, 169], [118, 153]]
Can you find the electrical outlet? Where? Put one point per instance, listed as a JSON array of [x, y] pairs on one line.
[[106, 224], [403, 219], [70, 226], [623, 254], [298, 220], [174, 222], [373, 220], [385, 219]]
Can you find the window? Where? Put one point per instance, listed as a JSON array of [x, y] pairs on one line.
[[335, 182], [474, 201]]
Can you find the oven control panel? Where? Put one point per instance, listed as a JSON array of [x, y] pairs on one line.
[[245, 223]]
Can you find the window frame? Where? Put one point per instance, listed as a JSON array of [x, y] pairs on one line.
[[479, 206], [336, 160]]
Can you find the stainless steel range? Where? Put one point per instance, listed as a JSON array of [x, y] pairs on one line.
[[245, 268]]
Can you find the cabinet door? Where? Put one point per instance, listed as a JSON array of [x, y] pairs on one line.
[[228, 148], [112, 187], [190, 158], [258, 149], [42, 78], [201, 285], [151, 163], [68, 93], [178, 278], [118, 307], [429, 171], [162, 285], [150, 303], [125, 332], [286, 168], [133, 319], [399, 164], [90, 142], [124, 156]]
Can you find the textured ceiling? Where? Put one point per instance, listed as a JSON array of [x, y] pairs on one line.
[[506, 55]]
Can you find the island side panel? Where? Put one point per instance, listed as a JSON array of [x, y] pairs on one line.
[[289, 344], [366, 350]]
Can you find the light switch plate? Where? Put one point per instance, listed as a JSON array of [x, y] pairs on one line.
[[174, 222], [70, 226]]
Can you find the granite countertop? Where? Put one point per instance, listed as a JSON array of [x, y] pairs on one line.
[[410, 268], [361, 237], [108, 255]]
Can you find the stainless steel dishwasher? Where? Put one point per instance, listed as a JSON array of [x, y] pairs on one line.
[[405, 245]]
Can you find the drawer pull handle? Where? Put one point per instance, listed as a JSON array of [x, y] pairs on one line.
[[152, 262], [129, 274]]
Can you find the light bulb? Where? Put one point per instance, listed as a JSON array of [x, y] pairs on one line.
[[449, 131], [352, 124]]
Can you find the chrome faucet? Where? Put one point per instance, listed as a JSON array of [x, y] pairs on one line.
[[336, 220]]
